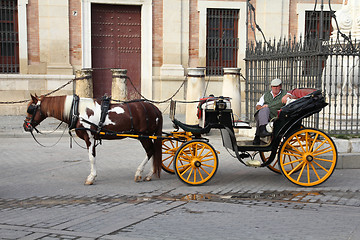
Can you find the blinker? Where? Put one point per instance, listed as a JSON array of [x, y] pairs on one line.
[[31, 109]]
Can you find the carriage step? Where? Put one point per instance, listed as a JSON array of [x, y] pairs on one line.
[[253, 163]]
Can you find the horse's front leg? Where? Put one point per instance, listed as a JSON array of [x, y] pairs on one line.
[[92, 154]]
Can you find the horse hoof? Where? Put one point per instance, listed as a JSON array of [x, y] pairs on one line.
[[138, 178], [148, 179], [89, 182]]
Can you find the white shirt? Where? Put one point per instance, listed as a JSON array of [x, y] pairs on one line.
[[261, 100]]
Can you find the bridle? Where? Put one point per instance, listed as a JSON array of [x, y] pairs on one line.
[[29, 121]]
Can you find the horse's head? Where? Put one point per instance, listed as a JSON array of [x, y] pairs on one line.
[[34, 114]]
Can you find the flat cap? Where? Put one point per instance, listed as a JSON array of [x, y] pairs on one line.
[[275, 82]]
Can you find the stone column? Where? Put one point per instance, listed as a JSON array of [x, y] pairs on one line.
[[195, 88], [231, 88], [118, 87], [172, 39], [54, 37], [84, 87]]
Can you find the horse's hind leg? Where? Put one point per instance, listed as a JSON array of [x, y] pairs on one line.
[[140, 169], [151, 172], [92, 154], [148, 145]]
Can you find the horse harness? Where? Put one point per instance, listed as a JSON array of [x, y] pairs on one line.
[[74, 115], [105, 105], [74, 112]]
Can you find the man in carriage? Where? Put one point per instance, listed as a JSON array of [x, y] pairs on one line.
[[267, 107]]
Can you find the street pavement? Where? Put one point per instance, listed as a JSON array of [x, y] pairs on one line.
[[43, 196]]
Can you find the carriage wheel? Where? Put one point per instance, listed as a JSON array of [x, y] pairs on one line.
[[195, 162], [308, 157], [274, 166], [169, 148]]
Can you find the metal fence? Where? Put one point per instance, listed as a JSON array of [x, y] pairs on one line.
[[332, 66]]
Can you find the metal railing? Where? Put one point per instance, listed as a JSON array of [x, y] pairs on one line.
[[332, 66]]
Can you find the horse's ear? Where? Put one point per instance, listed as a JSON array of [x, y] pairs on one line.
[[34, 98]]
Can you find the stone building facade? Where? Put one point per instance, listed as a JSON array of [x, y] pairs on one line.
[[155, 40]]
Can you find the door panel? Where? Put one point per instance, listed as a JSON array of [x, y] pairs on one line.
[[116, 43]]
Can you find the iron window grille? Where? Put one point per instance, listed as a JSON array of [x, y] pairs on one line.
[[312, 33], [9, 41], [221, 40]]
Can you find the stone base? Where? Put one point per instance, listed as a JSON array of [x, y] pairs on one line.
[[171, 70]]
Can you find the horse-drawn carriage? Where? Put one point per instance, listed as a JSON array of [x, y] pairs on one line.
[[305, 156]]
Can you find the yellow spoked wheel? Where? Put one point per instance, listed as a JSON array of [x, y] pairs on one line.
[[169, 148], [274, 166], [308, 157], [195, 162]]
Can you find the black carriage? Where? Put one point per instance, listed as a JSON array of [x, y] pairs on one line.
[[305, 156]]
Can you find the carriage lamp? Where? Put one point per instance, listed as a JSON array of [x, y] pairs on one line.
[[220, 105]]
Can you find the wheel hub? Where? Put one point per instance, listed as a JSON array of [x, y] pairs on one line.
[[308, 158], [195, 163]]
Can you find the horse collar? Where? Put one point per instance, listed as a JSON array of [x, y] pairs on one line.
[[105, 104], [74, 112]]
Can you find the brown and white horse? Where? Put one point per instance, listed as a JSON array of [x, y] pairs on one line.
[[137, 117]]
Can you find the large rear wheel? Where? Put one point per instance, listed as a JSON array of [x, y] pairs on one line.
[[195, 162], [307, 157]]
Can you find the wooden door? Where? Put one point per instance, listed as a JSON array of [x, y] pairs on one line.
[[116, 43]]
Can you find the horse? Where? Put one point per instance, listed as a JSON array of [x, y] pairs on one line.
[[88, 117]]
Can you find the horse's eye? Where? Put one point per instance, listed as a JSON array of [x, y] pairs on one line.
[[31, 109]]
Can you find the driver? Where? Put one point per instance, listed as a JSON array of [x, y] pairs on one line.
[[267, 108]]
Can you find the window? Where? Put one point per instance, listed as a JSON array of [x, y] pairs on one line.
[[312, 25], [221, 40], [9, 42], [312, 65]]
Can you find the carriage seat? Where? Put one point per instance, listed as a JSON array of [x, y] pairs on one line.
[[194, 129], [302, 107], [310, 103]]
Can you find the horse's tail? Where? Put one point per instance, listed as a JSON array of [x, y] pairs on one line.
[[157, 158]]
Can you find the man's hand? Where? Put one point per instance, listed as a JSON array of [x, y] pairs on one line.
[[258, 107]]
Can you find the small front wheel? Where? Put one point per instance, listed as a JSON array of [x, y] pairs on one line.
[[195, 162], [169, 148], [308, 157]]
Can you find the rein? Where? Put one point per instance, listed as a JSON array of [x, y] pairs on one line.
[[37, 141]]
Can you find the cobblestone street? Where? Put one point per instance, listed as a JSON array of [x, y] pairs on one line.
[[43, 196]]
